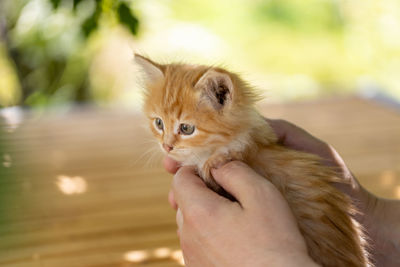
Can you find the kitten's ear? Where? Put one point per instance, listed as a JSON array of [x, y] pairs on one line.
[[153, 71], [216, 88]]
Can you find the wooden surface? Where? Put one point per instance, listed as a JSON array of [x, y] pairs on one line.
[[82, 188]]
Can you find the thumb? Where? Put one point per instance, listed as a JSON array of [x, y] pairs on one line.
[[241, 181]]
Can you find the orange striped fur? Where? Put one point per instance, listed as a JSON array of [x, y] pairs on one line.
[[228, 127]]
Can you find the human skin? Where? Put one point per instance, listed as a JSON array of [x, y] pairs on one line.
[[215, 231], [209, 232]]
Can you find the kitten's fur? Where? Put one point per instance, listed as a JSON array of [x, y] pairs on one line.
[[228, 127]]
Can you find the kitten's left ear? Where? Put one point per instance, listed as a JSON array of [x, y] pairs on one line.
[[153, 71], [216, 88]]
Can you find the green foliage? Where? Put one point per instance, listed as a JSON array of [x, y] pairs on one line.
[[295, 46], [55, 3], [76, 3], [312, 15], [92, 22], [124, 13], [127, 18], [50, 53]]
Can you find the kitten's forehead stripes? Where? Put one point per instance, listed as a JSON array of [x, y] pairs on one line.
[[174, 87], [179, 99], [185, 80]]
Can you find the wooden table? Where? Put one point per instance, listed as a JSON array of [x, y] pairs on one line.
[[86, 188]]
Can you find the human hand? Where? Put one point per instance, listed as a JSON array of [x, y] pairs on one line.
[[257, 230], [380, 217], [293, 137]]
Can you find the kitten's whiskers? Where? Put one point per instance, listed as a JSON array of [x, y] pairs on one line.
[[150, 153]]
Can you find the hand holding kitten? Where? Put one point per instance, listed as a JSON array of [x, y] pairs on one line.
[[383, 250], [215, 231], [206, 116]]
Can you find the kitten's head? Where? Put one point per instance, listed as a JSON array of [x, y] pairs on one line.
[[194, 109]]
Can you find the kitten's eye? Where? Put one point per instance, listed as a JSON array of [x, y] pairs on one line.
[[186, 129], [159, 123]]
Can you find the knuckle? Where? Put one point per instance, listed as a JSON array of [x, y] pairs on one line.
[[196, 216]]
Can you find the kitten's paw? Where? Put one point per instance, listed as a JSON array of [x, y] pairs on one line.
[[205, 173], [215, 161]]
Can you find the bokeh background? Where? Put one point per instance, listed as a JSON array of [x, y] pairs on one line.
[[59, 52], [84, 186]]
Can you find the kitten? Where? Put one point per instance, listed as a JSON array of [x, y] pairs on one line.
[[205, 116]]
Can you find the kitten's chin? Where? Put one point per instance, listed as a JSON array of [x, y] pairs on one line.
[[175, 157]]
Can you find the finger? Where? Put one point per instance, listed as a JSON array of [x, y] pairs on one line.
[[241, 181], [296, 138], [171, 200], [278, 127], [286, 132], [189, 190], [170, 165]]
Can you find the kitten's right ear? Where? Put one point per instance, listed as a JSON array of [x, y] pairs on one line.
[[153, 71], [216, 88]]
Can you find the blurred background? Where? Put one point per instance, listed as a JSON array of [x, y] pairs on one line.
[[85, 187], [59, 52]]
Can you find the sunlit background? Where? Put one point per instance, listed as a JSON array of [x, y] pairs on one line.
[[84, 187], [59, 52]]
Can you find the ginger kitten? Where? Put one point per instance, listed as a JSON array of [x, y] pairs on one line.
[[205, 116]]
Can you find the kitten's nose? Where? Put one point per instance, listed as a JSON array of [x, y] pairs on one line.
[[167, 147]]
